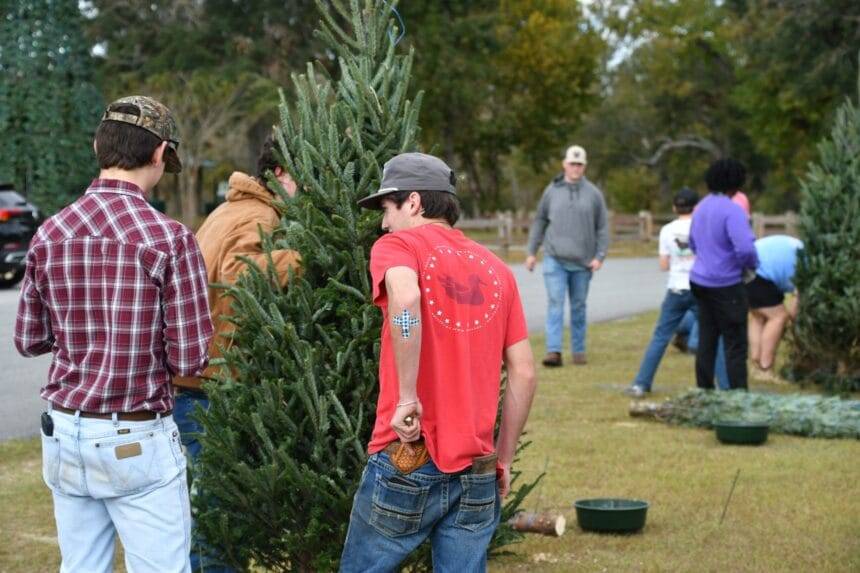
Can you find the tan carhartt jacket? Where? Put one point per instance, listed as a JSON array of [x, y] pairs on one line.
[[229, 231]]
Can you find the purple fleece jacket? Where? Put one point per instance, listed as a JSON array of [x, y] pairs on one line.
[[723, 241]]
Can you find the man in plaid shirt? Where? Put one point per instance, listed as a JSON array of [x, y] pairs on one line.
[[118, 293]]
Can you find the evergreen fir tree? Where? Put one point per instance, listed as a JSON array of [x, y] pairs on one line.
[[49, 107], [290, 419], [828, 324]]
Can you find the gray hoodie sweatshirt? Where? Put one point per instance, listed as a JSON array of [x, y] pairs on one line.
[[571, 222]]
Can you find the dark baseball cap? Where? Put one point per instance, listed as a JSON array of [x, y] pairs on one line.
[[154, 117], [412, 172], [685, 198]]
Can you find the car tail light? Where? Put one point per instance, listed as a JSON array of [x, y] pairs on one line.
[[6, 214], [13, 246]]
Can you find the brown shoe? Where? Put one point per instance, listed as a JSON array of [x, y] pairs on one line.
[[579, 358], [552, 359]]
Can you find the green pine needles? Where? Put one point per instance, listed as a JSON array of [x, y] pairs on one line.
[[49, 107], [290, 418], [812, 416], [828, 269]]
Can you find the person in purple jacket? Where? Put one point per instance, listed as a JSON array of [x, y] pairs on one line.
[[724, 244]]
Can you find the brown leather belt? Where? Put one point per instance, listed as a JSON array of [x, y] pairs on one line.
[[480, 464], [140, 416]]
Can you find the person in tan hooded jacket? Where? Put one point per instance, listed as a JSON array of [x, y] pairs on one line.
[[230, 231]]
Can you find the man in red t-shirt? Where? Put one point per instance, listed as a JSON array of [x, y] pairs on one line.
[[451, 315]]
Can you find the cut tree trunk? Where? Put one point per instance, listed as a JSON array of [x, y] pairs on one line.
[[545, 522]]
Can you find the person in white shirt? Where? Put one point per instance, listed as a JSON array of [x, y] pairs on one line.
[[676, 258]]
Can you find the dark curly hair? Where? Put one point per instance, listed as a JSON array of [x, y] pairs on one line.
[[268, 159], [726, 176]]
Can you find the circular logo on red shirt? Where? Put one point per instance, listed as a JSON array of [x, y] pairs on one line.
[[462, 289]]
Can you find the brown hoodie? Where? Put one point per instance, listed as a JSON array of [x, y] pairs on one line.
[[229, 231]]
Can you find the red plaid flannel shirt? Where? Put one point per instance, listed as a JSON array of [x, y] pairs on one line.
[[117, 291]]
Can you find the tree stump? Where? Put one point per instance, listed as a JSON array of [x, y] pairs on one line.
[[544, 522]]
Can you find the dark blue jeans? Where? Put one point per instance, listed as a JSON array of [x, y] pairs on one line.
[[189, 429], [393, 513]]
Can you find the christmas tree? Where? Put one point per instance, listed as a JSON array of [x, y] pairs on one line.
[[290, 418], [49, 107], [796, 414], [828, 323]]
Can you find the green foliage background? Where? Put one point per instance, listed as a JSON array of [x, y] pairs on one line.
[[49, 105], [653, 89]]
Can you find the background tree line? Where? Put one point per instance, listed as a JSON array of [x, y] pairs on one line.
[[654, 89]]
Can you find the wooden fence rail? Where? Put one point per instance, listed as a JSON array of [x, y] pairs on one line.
[[512, 228]]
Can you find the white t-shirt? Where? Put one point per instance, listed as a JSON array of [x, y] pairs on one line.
[[675, 243]]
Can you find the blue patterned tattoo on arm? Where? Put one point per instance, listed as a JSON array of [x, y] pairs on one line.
[[405, 321]]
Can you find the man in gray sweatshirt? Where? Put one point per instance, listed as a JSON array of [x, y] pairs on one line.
[[571, 222]]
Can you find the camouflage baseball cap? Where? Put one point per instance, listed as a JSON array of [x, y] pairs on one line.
[[154, 117]]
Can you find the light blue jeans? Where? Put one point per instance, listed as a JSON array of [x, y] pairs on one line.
[[561, 280], [393, 513], [112, 476]]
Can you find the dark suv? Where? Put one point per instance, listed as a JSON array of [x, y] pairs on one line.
[[18, 223]]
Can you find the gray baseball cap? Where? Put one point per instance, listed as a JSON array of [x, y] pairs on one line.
[[412, 172]]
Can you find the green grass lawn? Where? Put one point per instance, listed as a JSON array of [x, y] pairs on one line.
[[796, 506]]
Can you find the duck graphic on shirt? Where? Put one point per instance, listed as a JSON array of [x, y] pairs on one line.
[[461, 293], [683, 244], [461, 289]]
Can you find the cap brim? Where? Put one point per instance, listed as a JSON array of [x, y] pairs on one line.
[[375, 201], [172, 164]]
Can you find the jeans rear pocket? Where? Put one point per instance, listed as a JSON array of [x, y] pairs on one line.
[[478, 502], [51, 461], [397, 507], [131, 464]]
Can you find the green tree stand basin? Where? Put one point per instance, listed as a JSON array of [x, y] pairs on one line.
[[736, 432], [611, 515]]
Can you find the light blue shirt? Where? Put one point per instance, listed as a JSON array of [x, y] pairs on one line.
[[777, 257]]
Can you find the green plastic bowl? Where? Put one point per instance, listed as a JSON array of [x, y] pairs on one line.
[[611, 515], [736, 432]]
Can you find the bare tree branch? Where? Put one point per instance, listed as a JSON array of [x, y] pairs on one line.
[[669, 144]]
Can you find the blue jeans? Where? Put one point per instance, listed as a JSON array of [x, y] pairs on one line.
[[110, 477], [565, 279], [690, 326], [675, 306], [186, 403], [393, 513]]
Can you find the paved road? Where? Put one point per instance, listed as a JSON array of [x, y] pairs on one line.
[[622, 288], [20, 378]]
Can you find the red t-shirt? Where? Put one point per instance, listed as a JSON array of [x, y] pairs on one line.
[[470, 312]]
